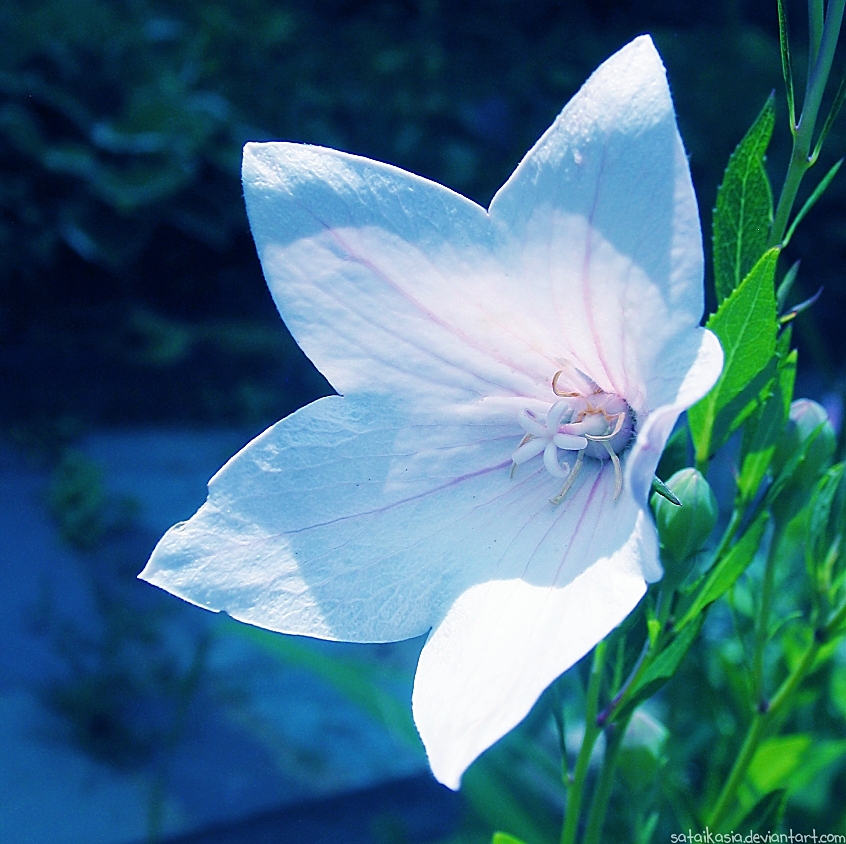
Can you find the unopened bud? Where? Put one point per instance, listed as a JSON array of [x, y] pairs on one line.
[[807, 419], [684, 529]]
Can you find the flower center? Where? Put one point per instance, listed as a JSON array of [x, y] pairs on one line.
[[587, 422]]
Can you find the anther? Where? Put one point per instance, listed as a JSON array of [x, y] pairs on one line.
[[555, 386]]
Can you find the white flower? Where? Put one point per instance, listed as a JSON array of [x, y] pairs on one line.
[[507, 379]]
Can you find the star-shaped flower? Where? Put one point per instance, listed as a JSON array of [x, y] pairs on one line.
[[507, 381]]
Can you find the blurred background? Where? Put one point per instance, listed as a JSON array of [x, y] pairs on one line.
[[139, 348]]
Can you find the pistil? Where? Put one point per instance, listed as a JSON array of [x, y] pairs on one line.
[[592, 423]]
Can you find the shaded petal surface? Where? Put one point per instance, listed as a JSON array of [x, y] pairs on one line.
[[504, 641], [591, 255], [348, 521], [387, 281], [602, 222]]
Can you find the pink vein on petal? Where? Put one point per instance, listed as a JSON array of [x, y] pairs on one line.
[[430, 315], [578, 525], [586, 286], [459, 479]]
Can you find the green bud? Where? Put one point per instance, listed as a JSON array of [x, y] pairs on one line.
[[807, 419], [806, 416], [642, 751], [684, 529], [825, 525]]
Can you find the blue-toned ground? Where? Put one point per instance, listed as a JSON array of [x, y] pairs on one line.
[[136, 727]]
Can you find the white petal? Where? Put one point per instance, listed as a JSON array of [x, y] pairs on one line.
[[388, 282], [349, 521], [346, 521], [505, 641], [690, 372], [604, 227]]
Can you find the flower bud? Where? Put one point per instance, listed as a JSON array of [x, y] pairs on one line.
[[805, 419], [684, 529]]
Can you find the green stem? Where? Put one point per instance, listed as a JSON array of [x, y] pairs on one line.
[[575, 789], [643, 662], [763, 621], [762, 721], [835, 622], [816, 20], [728, 534], [614, 735], [803, 133]]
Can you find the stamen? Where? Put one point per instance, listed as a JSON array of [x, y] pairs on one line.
[[603, 438], [555, 386], [570, 442], [570, 480], [587, 420], [618, 469]]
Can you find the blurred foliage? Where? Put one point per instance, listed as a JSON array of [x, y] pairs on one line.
[[128, 273], [78, 501]]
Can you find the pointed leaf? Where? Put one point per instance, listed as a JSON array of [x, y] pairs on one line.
[[726, 572], [764, 430], [800, 308], [744, 211], [746, 326], [786, 286], [836, 105], [791, 761], [664, 667], [786, 66], [766, 814], [811, 201], [363, 683]]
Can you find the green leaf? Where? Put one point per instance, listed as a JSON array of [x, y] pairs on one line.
[[746, 326], [824, 530], [766, 814], [809, 457], [793, 762], [811, 201], [505, 838], [786, 65], [744, 210], [763, 431], [726, 571], [836, 105], [498, 798], [364, 683], [786, 286], [663, 667], [664, 491]]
